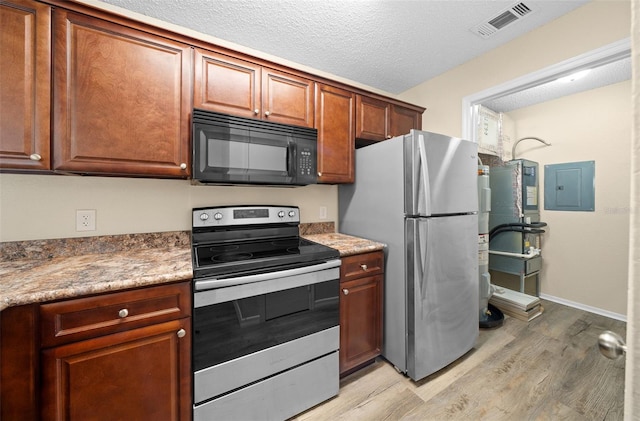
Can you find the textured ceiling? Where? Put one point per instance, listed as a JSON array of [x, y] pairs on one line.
[[607, 74], [390, 45]]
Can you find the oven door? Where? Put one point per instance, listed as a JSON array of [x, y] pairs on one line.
[[251, 328], [239, 155]]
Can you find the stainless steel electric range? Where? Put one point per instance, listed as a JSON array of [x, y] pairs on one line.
[[266, 314]]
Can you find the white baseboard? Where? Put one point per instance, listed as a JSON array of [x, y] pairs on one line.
[[595, 310]]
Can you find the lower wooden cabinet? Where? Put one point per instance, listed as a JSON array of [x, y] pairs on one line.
[[133, 375], [120, 356], [361, 297]]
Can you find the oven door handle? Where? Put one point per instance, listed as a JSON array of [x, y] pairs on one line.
[[225, 282]]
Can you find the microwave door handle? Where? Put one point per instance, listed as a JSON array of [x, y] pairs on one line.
[[290, 159]]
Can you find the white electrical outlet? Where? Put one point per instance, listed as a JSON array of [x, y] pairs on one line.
[[323, 212], [85, 220]]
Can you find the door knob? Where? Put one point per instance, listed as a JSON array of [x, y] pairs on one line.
[[611, 345]]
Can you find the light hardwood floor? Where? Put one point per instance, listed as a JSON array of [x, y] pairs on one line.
[[547, 369]]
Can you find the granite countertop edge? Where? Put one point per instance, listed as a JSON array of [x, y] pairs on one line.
[[29, 281]]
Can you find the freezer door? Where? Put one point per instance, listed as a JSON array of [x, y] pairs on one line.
[[442, 291], [440, 174]]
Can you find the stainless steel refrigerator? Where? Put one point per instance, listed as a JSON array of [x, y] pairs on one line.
[[417, 194]]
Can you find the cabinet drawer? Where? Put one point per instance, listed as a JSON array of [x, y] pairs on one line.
[[361, 264], [84, 318]]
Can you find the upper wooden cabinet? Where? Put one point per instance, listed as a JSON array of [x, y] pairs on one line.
[[372, 118], [380, 120], [25, 85], [335, 118], [234, 86], [403, 120], [121, 99]]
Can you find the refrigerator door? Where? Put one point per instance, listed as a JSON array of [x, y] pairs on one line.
[[440, 174], [442, 291]]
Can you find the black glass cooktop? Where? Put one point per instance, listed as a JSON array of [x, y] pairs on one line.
[[251, 256]]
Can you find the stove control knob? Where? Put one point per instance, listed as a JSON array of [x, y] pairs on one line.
[[292, 214], [217, 216], [281, 214], [204, 216]]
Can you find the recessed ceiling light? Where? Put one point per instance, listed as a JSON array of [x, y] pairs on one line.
[[574, 76]]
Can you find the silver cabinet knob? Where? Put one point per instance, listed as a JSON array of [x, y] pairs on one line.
[[183, 166], [123, 313], [35, 157], [256, 111], [364, 267], [181, 333], [345, 291], [389, 136], [267, 113], [319, 174], [611, 345]]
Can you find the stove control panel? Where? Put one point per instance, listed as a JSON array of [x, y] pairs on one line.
[[244, 215]]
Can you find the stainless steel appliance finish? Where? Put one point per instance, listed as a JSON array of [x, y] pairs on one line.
[[266, 315], [417, 193], [236, 150]]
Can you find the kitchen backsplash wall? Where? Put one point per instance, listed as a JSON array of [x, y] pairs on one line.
[[34, 207]]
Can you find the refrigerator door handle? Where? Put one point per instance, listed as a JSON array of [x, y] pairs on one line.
[[422, 259], [424, 171]]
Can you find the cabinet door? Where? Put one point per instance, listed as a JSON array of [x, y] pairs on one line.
[[25, 85], [142, 374], [372, 118], [225, 84], [360, 321], [286, 98], [19, 360], [121, 99], [403, 120], [335, 115]]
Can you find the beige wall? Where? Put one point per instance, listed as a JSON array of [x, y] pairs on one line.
[[585, 253], [589, 27], [594, 25], [44, 206]]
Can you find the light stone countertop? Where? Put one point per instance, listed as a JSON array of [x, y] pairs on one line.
[[347, 245], [37, 281], [47, 270]]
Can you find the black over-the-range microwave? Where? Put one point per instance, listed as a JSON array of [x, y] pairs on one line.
[[236, 150]]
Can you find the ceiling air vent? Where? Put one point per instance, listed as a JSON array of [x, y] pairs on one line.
[[502, 19]]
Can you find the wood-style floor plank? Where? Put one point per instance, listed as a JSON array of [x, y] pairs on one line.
[[547, 369]]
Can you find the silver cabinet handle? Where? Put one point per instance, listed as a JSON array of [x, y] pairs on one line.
[[319, 174], [123, 313], [267, 113], [35, 157], [345, 291], [256, 111], [611, 345], [183, 166], [364, 267], [181, 333]]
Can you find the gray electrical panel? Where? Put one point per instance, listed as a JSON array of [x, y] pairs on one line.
[[570, 186]]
